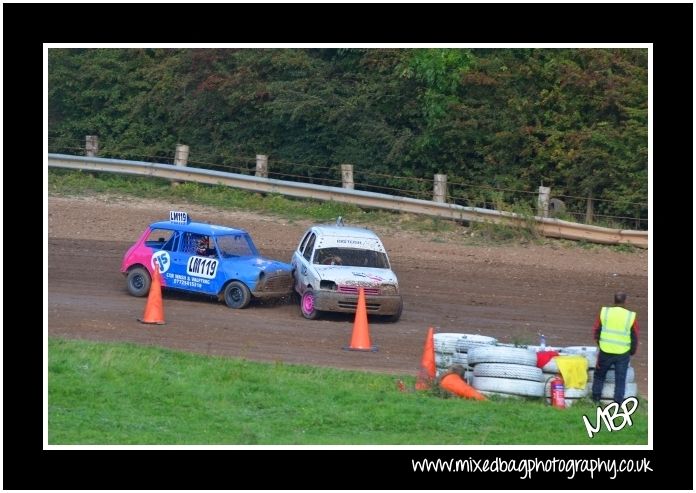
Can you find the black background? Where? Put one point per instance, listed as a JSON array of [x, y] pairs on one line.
[[669, 27]]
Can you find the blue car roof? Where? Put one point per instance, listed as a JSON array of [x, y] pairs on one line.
[[198, 228]]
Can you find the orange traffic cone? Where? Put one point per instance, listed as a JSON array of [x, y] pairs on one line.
[[454, 383], [361, 332], [426, 373], [154, 313]]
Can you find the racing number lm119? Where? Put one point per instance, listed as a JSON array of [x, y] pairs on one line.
[[206, 259]]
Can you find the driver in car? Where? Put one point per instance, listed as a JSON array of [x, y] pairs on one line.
[[203, 249]]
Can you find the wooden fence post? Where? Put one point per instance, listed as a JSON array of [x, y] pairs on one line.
[[589, 211], [262, 166], [440, 188], [91, 145], [347, 176], [181, 155], [543, 201]]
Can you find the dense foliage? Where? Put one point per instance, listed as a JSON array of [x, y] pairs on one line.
[[493, 120]]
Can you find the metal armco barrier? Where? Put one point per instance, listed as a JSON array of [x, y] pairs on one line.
[[554, 228]]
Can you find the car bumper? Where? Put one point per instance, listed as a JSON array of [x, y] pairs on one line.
[[330, 301], [274, 286]]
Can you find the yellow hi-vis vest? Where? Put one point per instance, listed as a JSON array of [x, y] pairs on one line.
[[615, 337]]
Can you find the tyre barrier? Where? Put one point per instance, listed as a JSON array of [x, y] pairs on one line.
[[452, 342], [536, 349], [552, 367], [448, 359], [443, 359], [501, 354], [569, 393], [469, 341], [503, 370], [446, 342], [631, 390], [525, 388], [611, 375], [589, 352]]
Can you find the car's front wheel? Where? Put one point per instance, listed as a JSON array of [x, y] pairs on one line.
[[138, 281], [237, 295], [307, 305], [396, 316]]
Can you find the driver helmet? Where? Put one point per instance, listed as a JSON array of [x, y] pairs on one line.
[[202, 248]]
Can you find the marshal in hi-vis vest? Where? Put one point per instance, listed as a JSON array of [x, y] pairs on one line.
[[615, 337]]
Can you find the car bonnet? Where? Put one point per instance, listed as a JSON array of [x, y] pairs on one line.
[[355, 276]]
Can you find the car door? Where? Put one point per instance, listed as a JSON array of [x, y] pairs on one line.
[[303, 257], [176, 275], [201, 270]]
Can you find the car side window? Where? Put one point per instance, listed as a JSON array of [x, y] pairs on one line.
[[158, 238], [304, 242], [309, 247], [172, 243], [189, 243]]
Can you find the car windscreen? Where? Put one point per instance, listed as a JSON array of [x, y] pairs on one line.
[[353, 257], [235, 245]]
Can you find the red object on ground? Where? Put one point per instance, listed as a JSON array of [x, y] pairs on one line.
[[557, 392], [544, 357]]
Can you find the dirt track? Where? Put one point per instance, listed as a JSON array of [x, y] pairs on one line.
[[511, 293]]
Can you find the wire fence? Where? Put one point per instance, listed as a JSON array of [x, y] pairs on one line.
[[610, 213]]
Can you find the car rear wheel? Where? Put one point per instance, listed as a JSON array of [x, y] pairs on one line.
[[237, 295], [307, 305], [138, 281]]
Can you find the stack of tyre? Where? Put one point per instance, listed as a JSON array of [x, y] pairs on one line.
[[572, 395], [550, 370], [506, 371], [453, 349], [631, 389]]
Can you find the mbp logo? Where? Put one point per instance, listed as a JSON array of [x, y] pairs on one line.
[[161, 260], [609, 414]]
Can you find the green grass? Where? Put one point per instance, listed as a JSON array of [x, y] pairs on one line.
[[106, 393]]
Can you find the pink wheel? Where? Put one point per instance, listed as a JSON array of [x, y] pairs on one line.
[[307, 305]]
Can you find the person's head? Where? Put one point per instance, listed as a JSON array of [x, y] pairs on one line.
[[202, 248], [619, 297]]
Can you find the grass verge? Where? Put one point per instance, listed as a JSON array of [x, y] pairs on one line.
[[116, 393]]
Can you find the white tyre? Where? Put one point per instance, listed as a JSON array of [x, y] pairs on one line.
[[509, 386], [446, 342], [503, 370], [536, 349], [443, 359], [498, 354], [631, 390], [589, 352], [611, 375], [460, 359], [468, 341], [552, 366], [568, 392]]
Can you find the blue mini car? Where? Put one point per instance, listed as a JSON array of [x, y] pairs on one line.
[[204, 258]]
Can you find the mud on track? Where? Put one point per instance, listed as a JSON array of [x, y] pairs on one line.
[[510, 293]]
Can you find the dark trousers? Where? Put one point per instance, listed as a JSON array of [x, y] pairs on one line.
[[604, 363]]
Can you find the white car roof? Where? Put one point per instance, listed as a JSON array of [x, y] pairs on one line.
[[343, 231]]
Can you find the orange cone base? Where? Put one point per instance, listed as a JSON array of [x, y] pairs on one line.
[[372, 349], [155, 322], [423, 386]]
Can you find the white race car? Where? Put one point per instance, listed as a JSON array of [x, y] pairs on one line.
[[333, 261]]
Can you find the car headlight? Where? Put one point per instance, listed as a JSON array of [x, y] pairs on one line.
[[389, 289]]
